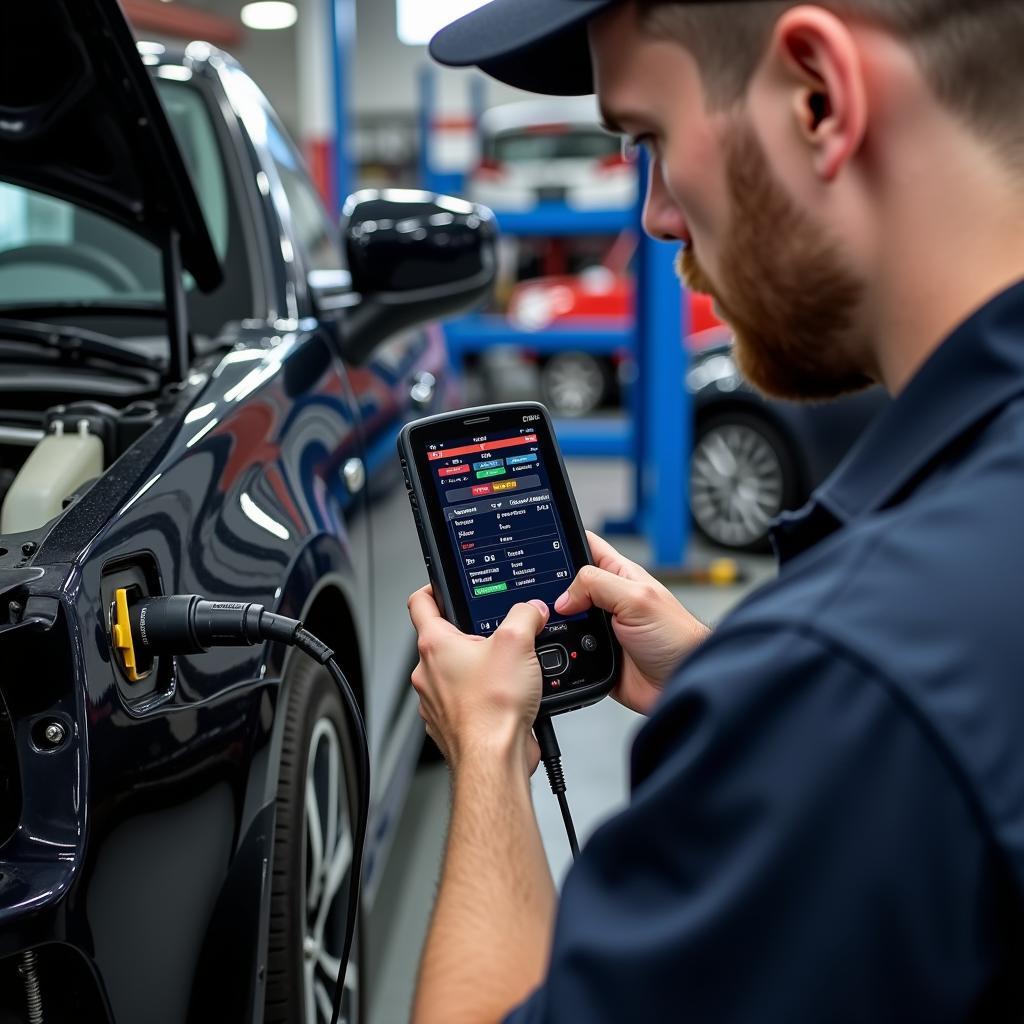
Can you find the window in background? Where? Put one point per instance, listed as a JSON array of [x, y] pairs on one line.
[[418, 21]]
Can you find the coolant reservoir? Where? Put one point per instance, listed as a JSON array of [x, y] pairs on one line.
[[57, 466]]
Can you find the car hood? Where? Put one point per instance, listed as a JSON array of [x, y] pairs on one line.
[[80, 119]]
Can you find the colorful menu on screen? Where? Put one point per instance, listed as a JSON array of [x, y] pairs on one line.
[[502, 522]]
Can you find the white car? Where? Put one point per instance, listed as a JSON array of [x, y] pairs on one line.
[[551, 150]]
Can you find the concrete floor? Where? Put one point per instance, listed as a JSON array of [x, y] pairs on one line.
[[595, 748]]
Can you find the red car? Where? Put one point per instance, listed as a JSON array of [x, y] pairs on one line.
[[575, 383]]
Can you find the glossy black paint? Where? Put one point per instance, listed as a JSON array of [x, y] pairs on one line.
[[143, 842]]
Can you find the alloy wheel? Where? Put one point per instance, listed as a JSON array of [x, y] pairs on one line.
[[573, 384], [737, 484]]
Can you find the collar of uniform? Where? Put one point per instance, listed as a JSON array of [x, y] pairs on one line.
[[976, 371]]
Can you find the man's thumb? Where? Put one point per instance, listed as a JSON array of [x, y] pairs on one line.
[[525, 620], [593, 586]]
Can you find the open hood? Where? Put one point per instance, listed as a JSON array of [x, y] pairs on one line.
[[81, 120]]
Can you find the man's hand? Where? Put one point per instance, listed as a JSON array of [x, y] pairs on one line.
[[491, 931], [478, 694], [655, 630]]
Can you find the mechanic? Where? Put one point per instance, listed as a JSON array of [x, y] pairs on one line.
[[827, 810]]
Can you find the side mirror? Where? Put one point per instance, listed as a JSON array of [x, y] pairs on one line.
[[413, 256]]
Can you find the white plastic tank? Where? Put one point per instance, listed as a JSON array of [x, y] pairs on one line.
[[58, 465]]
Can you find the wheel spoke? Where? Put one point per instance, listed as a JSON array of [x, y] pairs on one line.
[[721, 457], [323, 1002], [330, 965], [335, 876], [308, 991], [333, 771], [316, 843]]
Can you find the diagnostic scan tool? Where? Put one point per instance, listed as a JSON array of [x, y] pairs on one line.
[[498, 525]]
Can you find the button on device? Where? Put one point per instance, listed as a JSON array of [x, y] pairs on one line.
[[553, 659], [588, 643]]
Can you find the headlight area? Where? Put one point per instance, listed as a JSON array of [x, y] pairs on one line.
[[42, 802]]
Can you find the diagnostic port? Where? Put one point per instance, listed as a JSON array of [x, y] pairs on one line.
[[144, 682], [136, 665]]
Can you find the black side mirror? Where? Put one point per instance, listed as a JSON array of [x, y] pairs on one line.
[[414, 256]]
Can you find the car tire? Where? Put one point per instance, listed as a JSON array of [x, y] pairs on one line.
[[743, 473], [574, 383], [309, 886]]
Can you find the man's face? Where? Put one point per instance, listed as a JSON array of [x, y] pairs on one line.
[[776, 276]]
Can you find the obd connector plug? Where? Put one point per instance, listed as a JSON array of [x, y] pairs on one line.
[[186, 624]]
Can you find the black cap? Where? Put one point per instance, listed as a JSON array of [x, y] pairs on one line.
[[538, 45]]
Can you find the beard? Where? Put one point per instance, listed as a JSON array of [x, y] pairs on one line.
[[784, 288]]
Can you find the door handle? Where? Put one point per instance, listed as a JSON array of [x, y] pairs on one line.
[[354, 473], [424, 387]]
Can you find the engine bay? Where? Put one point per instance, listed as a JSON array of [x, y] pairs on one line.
[[50, 458]]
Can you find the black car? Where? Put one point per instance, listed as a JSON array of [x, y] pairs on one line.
[[201, 381], [753, 457]]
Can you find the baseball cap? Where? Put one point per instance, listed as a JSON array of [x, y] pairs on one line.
[[537, 45]]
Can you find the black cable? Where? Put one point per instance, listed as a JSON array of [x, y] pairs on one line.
[[551, 755], [187, 624]]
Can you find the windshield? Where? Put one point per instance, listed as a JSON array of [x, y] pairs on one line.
[[52, 251], [513, 147]]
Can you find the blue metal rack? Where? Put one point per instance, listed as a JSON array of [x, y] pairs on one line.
[[342, 14], [656, 435]]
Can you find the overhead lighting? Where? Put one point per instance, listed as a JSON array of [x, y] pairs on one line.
[[269, 14], [419, 21]]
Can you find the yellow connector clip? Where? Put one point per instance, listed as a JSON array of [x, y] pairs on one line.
[[121, 633]]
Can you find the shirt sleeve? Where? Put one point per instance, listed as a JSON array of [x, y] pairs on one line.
[[797, 848]]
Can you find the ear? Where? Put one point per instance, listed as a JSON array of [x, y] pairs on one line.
[[821, 68]]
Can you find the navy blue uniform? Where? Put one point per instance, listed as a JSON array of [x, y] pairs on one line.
[[827, 812]]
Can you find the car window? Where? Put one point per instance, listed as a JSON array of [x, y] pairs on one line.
[[538, 144], [54, 251], [313, 229], [193, 130]]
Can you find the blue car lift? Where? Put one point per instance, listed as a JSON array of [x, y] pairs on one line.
[[656, 434]]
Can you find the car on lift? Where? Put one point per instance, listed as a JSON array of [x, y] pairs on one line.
[[550, 151], [201, 381], [575, 383]]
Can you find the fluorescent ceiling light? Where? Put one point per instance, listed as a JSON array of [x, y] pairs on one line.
[[418, 21], [269, 14]]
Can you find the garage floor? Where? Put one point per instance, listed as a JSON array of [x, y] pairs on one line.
[[597, 784]]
